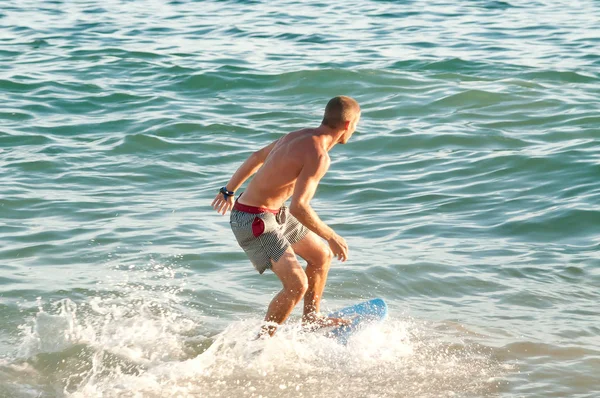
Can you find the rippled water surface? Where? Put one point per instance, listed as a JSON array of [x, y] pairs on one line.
[[469, 196]]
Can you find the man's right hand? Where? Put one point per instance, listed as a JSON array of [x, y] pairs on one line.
[[222, 204], [339, 247]]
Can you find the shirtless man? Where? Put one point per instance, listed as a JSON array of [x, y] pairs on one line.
[[270, 233]]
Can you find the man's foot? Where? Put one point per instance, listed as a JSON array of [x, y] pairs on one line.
[[266, 330], [315, 321]]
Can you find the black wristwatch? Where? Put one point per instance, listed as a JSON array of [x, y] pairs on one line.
[[226, 193]]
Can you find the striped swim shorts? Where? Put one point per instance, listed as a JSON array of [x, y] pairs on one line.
[[265, 234]]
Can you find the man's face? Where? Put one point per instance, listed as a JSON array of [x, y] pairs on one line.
[[351, 129]]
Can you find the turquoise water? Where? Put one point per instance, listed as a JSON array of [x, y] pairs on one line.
[[469, 196]]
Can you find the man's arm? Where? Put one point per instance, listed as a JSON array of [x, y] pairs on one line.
[[249, 167], [306, 185], [222, 204]]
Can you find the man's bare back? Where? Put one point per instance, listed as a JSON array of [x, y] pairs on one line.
[[274, 182]]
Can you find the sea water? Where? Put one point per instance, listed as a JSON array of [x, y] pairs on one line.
[[469, 196]]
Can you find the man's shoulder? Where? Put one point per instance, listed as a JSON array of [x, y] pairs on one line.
[[302, 134], [317, 157], [303, 144], [302, 140], [310, 148]]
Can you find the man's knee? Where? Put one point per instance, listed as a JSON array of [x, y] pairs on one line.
[[298, 285], [291, 274], [322, 257]]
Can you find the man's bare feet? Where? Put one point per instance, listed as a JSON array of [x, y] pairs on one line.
[[316, 321], [266, 330]]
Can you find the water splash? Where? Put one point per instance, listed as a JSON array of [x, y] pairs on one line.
[[144, 346], [71, 347]]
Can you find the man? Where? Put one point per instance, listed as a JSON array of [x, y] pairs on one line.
[[270, 234]]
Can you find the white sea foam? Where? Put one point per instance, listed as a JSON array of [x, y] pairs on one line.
[[142, 346]]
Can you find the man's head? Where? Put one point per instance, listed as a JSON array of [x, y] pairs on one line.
[[342, 114]]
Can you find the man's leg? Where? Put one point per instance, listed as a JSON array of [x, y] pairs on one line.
[[295, 284], [318, 258]]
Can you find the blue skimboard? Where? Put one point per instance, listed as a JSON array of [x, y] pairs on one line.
[[362, 315]]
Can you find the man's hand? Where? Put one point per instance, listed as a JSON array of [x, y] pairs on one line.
[[221, 205], [339, 247]]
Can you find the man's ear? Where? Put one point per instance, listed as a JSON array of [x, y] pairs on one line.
[[346, 124]]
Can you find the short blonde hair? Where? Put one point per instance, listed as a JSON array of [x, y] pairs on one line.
[[339, 110]]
